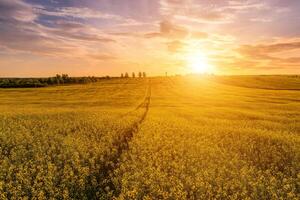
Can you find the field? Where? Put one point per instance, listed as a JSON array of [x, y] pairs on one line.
[[153, 138]]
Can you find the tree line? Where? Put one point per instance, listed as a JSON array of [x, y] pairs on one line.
[[140, 75], [56, 80], [43, 82]]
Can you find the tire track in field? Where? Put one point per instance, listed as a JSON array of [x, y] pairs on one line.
[[129, 133], [139, 106], [121, 145]]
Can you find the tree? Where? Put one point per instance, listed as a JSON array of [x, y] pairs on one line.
[[144, 74], [58, 79], [133, 75], [65, 78], [122, 75], [140, 74], [126, 75], [51, 81]]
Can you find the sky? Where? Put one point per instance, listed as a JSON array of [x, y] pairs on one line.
[[108, 37]]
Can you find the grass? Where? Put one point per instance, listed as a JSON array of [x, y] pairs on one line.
[[155, 138]]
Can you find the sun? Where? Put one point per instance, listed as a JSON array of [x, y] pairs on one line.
[[197, 63]]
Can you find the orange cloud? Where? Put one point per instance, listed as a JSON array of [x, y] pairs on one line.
[[268, 48], [175, 46], [103, 57], [169, 30]]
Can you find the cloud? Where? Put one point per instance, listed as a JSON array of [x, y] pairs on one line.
[[17, 10], [217, 11], [266, 49], [102, 57], [153, 35], [77, 31], [63, 38], [283, 54], [169, 30], [199, 35], [124, 34], [21, 30], [267, 56], [175, 35], [191, 10], [263, 20], [29, 37], [175, 46], [85, 13], [78, 12], [239, 6]]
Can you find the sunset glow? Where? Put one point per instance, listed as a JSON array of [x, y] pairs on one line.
[[197, 63], [42, 38]]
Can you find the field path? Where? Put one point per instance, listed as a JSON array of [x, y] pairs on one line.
[[129, 133], [121, 143]]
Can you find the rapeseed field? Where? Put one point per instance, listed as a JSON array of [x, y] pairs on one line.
[[192, 137]]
